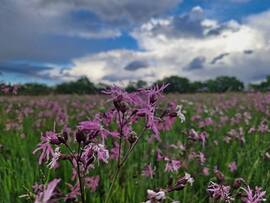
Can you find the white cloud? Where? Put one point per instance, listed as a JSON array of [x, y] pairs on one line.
[[167, 51]]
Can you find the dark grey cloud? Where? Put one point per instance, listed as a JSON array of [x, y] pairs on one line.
[[220, 29], [114, 77], [249, 51], [57, 30], [187, 25], [135, 65], [27, 33], [117, 11], [190, 25], [26, 69], [219, 57], [247, 69], [197, 63]]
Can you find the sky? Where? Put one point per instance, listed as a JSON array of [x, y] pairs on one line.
[[117, 41]]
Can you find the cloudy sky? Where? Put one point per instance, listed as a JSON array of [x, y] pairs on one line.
[[115, 41]]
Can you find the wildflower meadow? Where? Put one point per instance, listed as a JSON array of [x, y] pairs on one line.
[[143, 146]]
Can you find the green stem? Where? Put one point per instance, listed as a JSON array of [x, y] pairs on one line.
[[79, 175], [112, 184], [121, 138], [132, 148], [122, 164]]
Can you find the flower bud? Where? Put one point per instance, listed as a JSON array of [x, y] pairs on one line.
[[183, 181], [219, 175], [120, 105], [132, 137], [65, 136], [61, 139], [55, 141], [90, 161], [237, 183], [173, 114], [153, 99], [80, 137], [52, 137]]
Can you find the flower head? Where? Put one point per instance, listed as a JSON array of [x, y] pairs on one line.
[[148, 171], [180, 114], [92, 182], [172, 165], [232, 166], [55, 158], [155, 197], [46, 194], [219, 192], [253, 196]]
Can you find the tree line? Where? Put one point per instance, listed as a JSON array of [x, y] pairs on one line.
[[177, 84]]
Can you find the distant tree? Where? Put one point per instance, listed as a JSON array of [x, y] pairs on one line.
[[81, 86], [141, 84], [225, 84], [35, 89], [133, 86], [198, 86], [101, 86], [263, 86], [176, 84]]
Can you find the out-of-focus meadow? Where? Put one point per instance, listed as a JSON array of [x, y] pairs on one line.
[[228, 133]]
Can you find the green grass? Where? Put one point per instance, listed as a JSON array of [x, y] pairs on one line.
[[19, 169]]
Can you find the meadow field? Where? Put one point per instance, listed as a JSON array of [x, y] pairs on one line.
[[118, 148]]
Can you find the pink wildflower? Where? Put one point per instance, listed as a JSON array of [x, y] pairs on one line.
[[219, 192], [92, 182], [254, 196], [148, 171], [232, 166], [155, 197], [48, 193], [172, 165]]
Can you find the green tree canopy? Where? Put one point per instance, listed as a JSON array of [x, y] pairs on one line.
[[81, 86], [34, 89], [176, 84], [225, 84]]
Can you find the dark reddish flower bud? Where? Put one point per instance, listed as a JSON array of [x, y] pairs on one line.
[[141, 114], [173, 114], [61, 140], [219, 175], [91, 160], [237, 183], [80, 136], [55, 141], [134, 112], [120, 105], [153, 99], [132, 137], [65, 136], [123, 107]]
